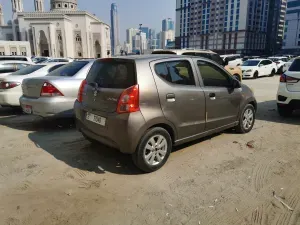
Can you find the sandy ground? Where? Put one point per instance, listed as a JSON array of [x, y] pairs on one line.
[[50, 175]]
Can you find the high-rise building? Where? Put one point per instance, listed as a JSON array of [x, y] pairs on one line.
[[1, 16], [139, 43], [152, 34], [275, 26], [130, 33], [166, 37], [292, 26], [39, 5], [158, 37], [168, 24], [115, 38], [146, 31], [226, 26]]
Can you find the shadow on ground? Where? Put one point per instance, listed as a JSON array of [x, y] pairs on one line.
[[267, 111]]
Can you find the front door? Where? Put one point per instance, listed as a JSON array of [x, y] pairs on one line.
[[182, 99], [263, 68], [222, 101]]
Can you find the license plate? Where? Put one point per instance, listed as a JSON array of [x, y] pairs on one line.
[[96, 119], [27, 109]]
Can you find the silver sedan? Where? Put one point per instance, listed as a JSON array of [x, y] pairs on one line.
[[54, 94], [10, 85]]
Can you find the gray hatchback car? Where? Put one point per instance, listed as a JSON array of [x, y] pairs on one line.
[[145, 105]]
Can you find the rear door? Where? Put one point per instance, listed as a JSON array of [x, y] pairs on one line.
[[182, 99], [106, 80], [293, 83], [222, 102]]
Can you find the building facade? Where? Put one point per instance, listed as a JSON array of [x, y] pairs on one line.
[[115, 32], [62, 32], [15, 48], [166, 37], [225, 26], [291, 41], [146, 31], [276, 22], [168, 24], [1, 16], [129, 34]]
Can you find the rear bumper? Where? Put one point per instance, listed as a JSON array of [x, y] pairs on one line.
[[288, 98], [10, 97], [49, 106], [121, 131]]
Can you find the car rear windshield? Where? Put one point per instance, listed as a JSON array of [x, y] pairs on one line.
[[28, 70], [69, 70], [112, 73], [251, 63], [295, 66]]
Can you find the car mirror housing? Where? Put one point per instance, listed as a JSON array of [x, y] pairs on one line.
[[236, 84]]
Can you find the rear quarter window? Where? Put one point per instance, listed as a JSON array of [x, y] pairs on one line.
[[113, 73]]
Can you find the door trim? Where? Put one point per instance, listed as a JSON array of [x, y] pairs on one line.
[[206, 133]]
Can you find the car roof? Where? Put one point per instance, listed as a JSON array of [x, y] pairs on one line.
[[257, 59], [52, 63], [15, 61], [277, 57], [181, 51]]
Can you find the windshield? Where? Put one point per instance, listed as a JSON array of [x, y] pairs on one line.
[[295, 66], [69, 70], [28, 70], [251, 63]]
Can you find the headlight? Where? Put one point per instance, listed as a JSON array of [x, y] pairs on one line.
[[248, 70]]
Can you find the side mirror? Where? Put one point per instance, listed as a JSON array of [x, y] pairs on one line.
[[236, 84]]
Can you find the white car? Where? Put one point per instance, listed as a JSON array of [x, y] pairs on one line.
[[287, 65], [280, 61], [232, 60], [15, 58], [7, 67], [288, 95], [10, 85], [254, 68]]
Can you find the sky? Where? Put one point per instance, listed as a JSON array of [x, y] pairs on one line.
[[131, 12]]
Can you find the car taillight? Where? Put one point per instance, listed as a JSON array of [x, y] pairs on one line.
[[277, 62], [129, 100], [8, 85], [286, 79], [80, 91], [48, 90]]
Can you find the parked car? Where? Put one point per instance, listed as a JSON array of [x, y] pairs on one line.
[[39, 59], [15, 58], [145, 105], [59, 60], [280, 61], [287, 65], [254, 68], [54, 94], [288, 95], [233, 60], [7, 67], [236, 72], [10, 85]]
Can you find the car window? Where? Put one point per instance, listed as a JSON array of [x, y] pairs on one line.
[[230, 58], [295, 66], [163, 52], [55, 67], [176, 72], [13, 58], [28, 70], [189, 53], [251, 63], [116, 73], [69, 70], [284, 59], [263, 63], [212, 75], [217, 59], [268, 62], [21, 65], [7, 68], [204, 55]]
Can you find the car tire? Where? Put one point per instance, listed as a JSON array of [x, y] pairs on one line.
[[285, 111], [153, 150], [237, 77], [246, 120], [272, 73], [255, 75]]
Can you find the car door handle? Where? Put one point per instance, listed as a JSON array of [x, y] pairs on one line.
[[170, 97], [212, 96]]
